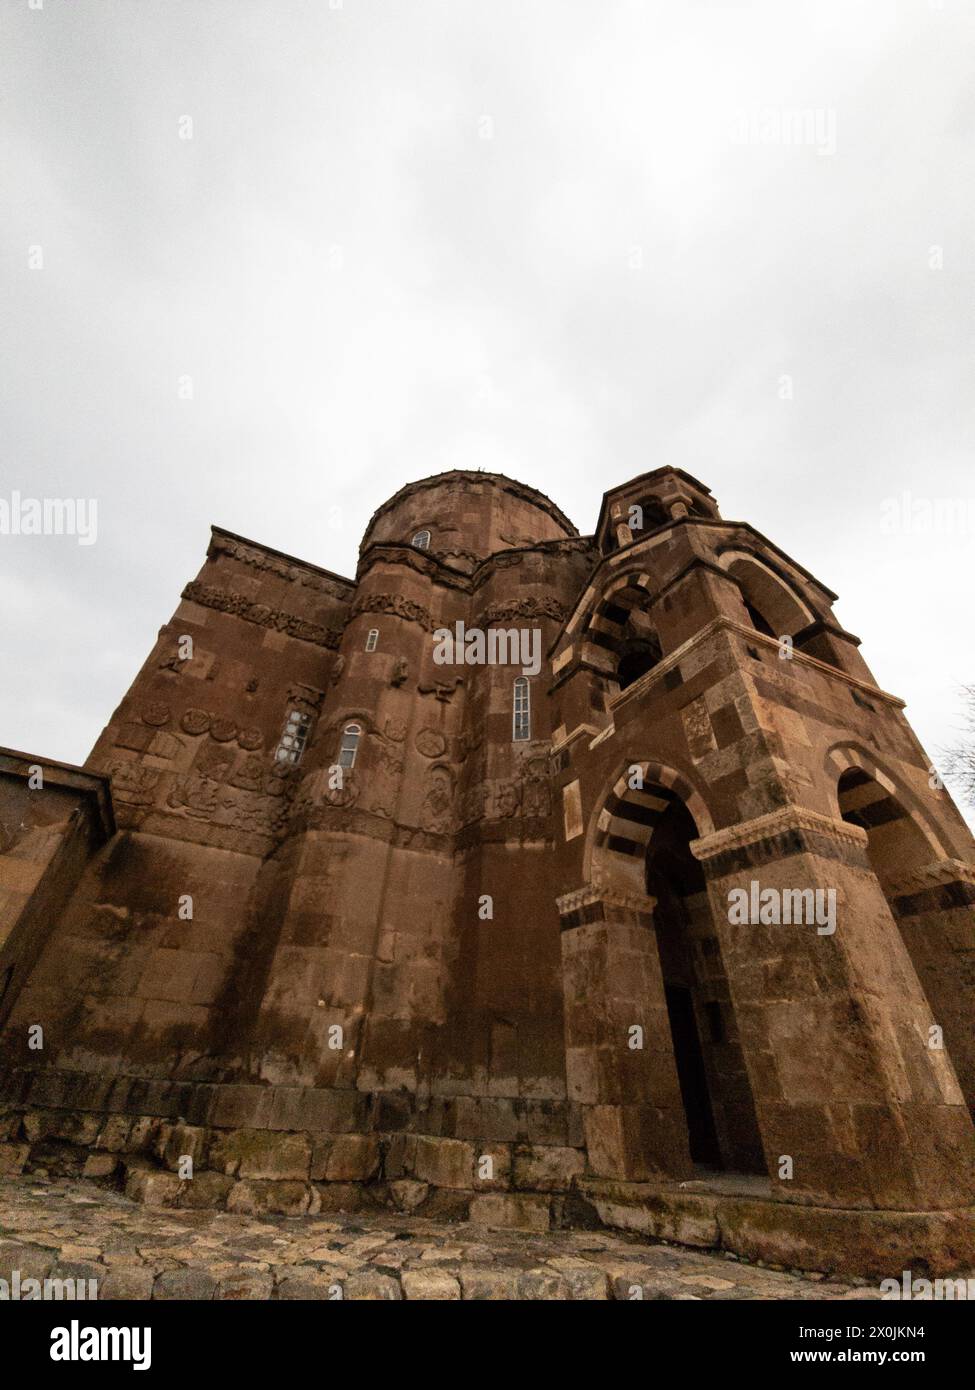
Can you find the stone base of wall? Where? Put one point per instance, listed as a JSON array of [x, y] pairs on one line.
[[830, 1240], [301, 1154]]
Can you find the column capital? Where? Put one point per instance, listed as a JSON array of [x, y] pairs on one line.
[[790, 830], [593, 903]]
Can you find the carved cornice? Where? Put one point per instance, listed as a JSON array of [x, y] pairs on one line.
[[283, 566], [789, 818], [261, 614], [933, 875], [592, 893]]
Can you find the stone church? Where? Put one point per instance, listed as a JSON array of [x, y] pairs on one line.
[[672, 929]]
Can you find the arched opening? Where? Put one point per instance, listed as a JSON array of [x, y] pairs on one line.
[[646, 515], [934, 922], [623, 627], [722, 1125], [637, 656], [773, 607]]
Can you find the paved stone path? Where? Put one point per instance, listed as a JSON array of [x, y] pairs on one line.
[[63, 1228]]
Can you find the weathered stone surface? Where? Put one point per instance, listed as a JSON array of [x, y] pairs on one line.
[[312, 1283], [429, 1284], [510, 1211], [246, 1284], [494, 1285], [444, 1162], [124, 1282], [100, 1165], [284, 1198], [541, 1284], [254, 1153], [184, 1284], [12, 1158], [408, 1194], [548, 1169], [367, 1284], [205, 1189], [153, 1186], [346, 1158]]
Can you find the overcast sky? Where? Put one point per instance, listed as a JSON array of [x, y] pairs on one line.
[[566, 241]]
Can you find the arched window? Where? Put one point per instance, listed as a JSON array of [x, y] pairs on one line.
[[521, 717], [372, 639], [421, 540], [294, 738], [637, 656], [350, 742]]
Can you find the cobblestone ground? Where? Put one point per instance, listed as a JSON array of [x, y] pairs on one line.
[[62, 1228]]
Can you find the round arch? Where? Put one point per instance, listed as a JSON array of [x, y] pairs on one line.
[[844, 757], [776, 600], [626, 815]]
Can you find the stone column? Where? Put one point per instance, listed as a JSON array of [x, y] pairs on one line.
[[834, 1024], [625, 1080]]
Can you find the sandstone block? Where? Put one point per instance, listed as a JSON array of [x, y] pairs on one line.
[[100, 1165], [408, 1194], [444, 1162], [369, 1284], [12, 1159], [510, 1211], [256, 1197], [548, 1169], [429, 1284], [192, 1284], [492, 1285], [255, 1153], [125, 1282], [346, 1158], [245, 1284], [205, 1190], [151, 1186]]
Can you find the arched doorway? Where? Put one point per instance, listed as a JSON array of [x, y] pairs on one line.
[[722, 1126], [898, 845]]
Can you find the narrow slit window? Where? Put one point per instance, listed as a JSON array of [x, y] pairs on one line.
[[521, 714], [294, 738], [421, 540], [372, 639], [349, 744]]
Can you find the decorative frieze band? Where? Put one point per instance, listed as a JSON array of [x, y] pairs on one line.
[[240, 606], [791, 830], [941, 886]]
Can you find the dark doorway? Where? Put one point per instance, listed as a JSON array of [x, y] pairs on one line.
[[722, 1127], [701, 1133]]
